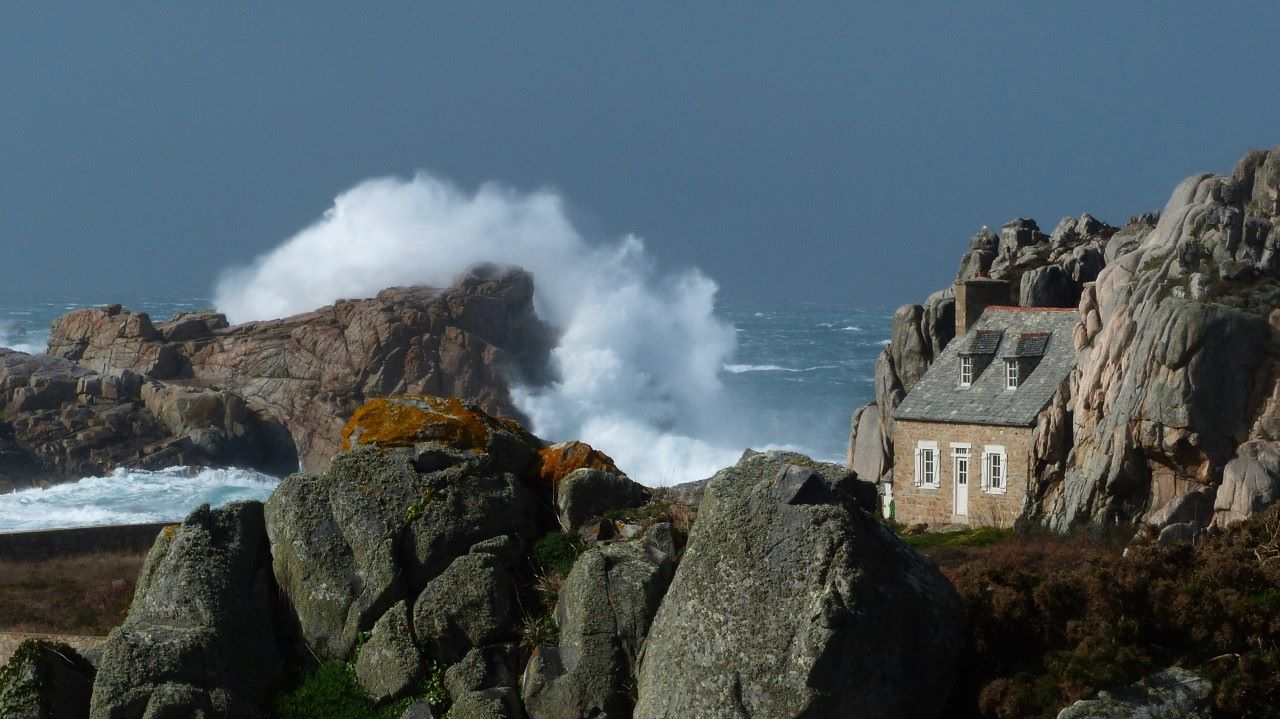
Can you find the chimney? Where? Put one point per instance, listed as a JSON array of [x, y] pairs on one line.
[[974, 296]]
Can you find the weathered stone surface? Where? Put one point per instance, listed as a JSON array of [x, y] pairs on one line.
[[45, 680], [61, 421], [373, 530], [200, 635], [1250, 482], [866, 454], [605, 609], [1048, 286], [470, 604], [419, 710], [1179, 357], [310, 371], [490, 667], [1174, 693], [389, 665], [588, 493], [560, 460], [796, 603], [499, 703]]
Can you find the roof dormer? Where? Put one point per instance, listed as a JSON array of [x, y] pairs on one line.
[[1024, 357], [977, 354]]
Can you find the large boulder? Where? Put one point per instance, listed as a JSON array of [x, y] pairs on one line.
[[792, 601], [373, 530], [604, 613], [558, 461], [200, 638], [45, 680]]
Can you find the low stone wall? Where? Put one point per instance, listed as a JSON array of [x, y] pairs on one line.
[[9, 642], [52, 543]]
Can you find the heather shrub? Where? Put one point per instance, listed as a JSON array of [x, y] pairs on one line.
[[1053, 620]]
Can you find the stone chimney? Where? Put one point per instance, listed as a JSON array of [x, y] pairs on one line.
[[974, 296]]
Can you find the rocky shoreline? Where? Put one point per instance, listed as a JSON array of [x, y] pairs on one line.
[[434, 557]]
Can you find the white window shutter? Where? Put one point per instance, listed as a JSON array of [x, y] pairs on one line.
[[986, 470], [918, 467]]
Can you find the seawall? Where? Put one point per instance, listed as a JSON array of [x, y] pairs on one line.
[[44, 544]]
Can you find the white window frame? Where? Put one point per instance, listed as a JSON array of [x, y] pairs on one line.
[[1011, 378], [959, 451], [926, 454], [994, 455], [966, 371]]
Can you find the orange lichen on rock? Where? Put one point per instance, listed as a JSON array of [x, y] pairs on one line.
[[406, 420], [558, 460]]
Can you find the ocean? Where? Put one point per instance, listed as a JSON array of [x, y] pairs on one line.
[[798, 371]]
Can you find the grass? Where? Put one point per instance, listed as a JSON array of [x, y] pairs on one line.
[[978, 537], [331, 691], [87, 594]]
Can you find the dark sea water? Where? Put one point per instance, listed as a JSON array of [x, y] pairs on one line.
[[798, 372]]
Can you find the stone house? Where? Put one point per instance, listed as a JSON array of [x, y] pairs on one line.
[[962, 435]]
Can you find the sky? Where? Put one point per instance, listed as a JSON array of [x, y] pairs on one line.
[[823, 152]]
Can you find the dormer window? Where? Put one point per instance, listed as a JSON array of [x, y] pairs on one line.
[[966, 371], [1011, 374]]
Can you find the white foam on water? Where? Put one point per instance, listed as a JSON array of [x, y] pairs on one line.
[[130, 496]]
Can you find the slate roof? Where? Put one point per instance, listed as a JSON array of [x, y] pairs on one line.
[[982, 342], [1030, 344], [1020, 332]]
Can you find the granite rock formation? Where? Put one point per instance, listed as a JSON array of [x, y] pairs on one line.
[[1179, 369], [310, 371], [791, 600]]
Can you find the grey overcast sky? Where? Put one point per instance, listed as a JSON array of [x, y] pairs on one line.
[[817, 151]]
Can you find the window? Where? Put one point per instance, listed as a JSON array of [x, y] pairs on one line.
[[995, 469], [966, 371], [927, 465], [1011, 374]]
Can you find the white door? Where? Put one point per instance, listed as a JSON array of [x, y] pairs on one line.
[[962, 483]]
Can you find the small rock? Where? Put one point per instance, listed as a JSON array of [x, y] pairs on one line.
[[1174, 693], [588, 493], [501, 703], [497, 665]]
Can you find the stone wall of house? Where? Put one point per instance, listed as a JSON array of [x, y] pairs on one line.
[[936, 507]]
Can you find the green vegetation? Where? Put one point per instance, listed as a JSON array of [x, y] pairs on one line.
[[659, 509], [556, 552], [330, 691], [1054, 619], [979, 537]]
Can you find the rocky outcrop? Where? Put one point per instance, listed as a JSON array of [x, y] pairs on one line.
[[200, 639], [793, 601], [604, 612], [310, 371], [1174, 693], [1179, 349], [373, 530], [62, 421], [588, 493], [45, 680]]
